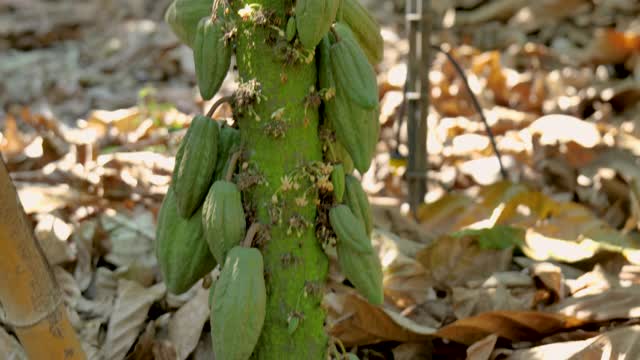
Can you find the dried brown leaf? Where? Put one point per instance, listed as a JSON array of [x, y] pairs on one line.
[[512, 325], [356, 322], [128, 317], [185, 326]]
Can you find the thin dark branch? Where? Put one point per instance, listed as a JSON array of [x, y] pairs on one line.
[[476, 105]]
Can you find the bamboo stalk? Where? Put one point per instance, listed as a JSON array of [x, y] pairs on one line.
[[30, 300]]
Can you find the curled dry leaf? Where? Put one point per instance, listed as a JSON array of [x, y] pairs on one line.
[[512, 325], [128, 317], [185, 326], [356, 322], [615, 344]]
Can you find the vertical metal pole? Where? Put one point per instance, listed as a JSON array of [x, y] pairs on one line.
[[417, 98]]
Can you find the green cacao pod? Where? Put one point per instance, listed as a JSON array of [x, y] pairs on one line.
[[365, 28], [336, 153], [181, 248], [337, 180], [223, 218], [349, 229], [290, 30], [356, 199], [183, 17], [238, 305], [364, 271], [313, 20], [195, 163], [211, 55], [229, 143], [342, 156], [352, 73], [323, 53], [356, 129]]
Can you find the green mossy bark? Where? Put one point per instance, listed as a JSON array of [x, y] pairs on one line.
[[294, 262]]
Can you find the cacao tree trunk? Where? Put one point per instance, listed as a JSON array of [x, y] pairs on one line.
[[30, 299], [280, 133]]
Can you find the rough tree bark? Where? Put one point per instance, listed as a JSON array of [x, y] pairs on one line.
[[282, 142]]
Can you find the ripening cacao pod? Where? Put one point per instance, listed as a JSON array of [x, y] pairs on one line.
[[314, 19], [349, 229], [228, 144], [211, 55], [195, 163], [356, 199], [223, 218], [183, 17], [181, 248], [365, 29], [363, 270], [337, 180], [238, 305], [352, 73]]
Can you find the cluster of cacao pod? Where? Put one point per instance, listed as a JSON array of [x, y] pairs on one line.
[[202, 221], [348, 43], [201, 224]]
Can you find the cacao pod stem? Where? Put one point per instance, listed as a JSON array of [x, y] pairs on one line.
[[233, 160], [251, 234], [216, 105]]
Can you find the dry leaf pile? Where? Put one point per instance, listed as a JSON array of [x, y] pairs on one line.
[[543, 265]]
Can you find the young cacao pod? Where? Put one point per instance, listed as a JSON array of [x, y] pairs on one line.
[[353, 75], [238, 305], [356, 199], [363, 270], [223, 218], [211, 55], [229, 143], [313, 20], [337, 180], [349, 229], [181, 248], [342, 156], [195, 163], [290, 30], [183, 17], [365, 29]]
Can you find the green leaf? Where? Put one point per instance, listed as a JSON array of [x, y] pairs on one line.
[[499, 237]]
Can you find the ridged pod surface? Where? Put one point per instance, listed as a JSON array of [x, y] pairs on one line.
[[211, 55], [365, 28], [229, 142], [363, 270], [356, 199], [238, 305], [195, 164], [223, 218], [342, 156], [349, 229], [356, 128], [337, 180], [313, 20], [181, 248], [183, 17], [353, 74]]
